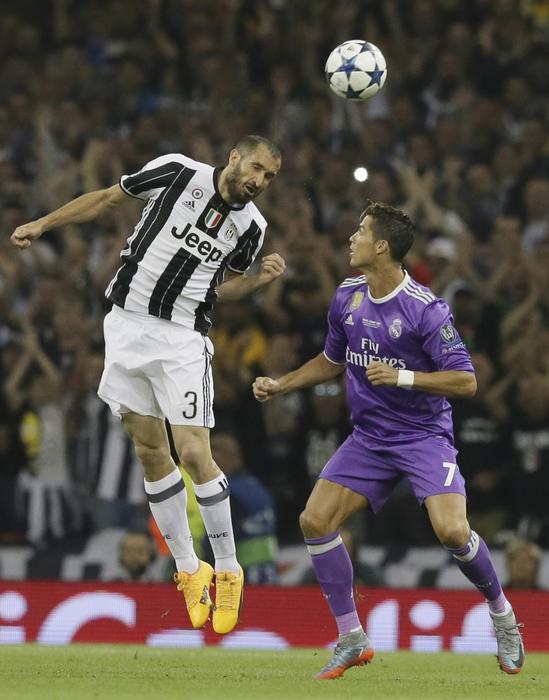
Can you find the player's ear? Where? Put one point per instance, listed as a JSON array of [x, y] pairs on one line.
[[234, 157], [382, 246]]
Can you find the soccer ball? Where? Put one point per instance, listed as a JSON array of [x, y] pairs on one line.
[[356, 70]]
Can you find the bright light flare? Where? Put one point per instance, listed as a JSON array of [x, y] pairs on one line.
[[360, 174]]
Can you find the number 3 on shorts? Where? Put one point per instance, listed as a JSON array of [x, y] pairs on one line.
[[451, 467]]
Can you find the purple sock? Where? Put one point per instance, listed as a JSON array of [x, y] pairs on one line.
[[334, 573], [475, 563]]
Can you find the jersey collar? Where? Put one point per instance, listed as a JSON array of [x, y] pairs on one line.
[[391, 295]]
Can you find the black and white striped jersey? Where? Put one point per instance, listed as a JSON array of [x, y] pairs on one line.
[[187, 237]]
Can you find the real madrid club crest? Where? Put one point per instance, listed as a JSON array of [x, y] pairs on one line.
[[395, 329], [356, 300]]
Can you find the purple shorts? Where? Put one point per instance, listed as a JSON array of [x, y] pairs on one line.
[[373, 468]]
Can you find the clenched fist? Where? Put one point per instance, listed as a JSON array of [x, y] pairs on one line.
[[265, 388], [24, 235], [272, 266], [381, 374]]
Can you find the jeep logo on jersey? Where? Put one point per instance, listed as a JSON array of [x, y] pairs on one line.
[[193, 242], [448, 333], [212, 218]]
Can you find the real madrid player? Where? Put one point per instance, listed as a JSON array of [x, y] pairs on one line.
[[198, 225], [402, 356]]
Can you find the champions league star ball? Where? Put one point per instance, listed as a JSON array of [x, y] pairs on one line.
[[356, 70]]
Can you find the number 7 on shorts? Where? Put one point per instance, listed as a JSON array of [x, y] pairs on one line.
[[451, 467]]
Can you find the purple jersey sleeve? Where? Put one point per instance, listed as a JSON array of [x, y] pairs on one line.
[[441, 341], [335, 345]]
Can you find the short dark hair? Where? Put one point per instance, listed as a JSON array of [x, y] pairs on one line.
[[251, 142], [391, 225]]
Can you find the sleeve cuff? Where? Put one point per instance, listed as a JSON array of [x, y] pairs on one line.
[[333, 361], [126, 190]]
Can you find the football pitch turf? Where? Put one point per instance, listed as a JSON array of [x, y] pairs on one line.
[[122, 672]]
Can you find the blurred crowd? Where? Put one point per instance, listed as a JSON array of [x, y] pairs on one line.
[[457, 138]]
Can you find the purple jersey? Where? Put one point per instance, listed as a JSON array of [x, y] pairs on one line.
[[409, 329]]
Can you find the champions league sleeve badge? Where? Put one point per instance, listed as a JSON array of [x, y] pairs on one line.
[[448, 333]]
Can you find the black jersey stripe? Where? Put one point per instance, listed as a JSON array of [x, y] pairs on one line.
[[242, 256], [215, 211], [151, 227], [202, 323], [155, 178], [171, 282], [205, 387]]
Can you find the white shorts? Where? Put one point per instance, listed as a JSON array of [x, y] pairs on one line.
[[155, 367]]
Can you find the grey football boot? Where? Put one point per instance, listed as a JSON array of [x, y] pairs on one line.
[[352, 649], [510, 644]]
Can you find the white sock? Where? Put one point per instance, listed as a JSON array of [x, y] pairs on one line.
[[507, 610], [215, 508], [168, 504]]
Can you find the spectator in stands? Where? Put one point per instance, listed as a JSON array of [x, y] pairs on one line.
[[523, 561], [529, 401], [252, 510], [483, 443], [13, 459], [108, 479], [137, 557], [45, 484]]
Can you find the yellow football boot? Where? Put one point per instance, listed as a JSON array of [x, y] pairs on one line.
[[228, 600], [196, 591]]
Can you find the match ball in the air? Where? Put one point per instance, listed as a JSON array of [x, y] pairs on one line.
[[356, 70]]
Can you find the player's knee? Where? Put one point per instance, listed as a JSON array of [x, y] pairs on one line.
[[453, 534], [194, 458], [151, 457], [312, 524]]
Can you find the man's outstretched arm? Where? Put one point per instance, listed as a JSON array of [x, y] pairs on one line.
[[316, 371], [84, 208]]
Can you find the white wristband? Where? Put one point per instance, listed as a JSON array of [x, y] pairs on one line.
[[405, 379]]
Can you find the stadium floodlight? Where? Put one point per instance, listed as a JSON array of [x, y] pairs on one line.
[[360, 174]]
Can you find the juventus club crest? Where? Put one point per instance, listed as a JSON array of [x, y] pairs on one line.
[[230, 232]]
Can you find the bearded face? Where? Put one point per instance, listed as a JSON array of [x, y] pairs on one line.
[[249, 174], [240, 190]]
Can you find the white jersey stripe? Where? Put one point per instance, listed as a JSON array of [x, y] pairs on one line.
[[421, 291], [410, 293]]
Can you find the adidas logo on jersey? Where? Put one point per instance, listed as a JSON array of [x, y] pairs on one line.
[[349, 320], [189, 204]]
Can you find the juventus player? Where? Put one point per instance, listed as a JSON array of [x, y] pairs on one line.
[[199, 223], [402, 357]]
